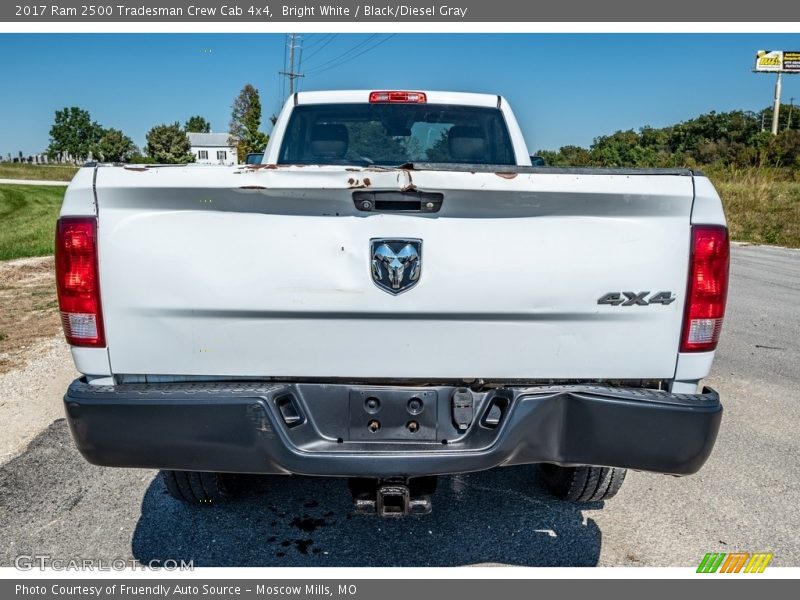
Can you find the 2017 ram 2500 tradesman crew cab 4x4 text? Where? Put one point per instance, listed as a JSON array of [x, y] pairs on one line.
[[393, 294]]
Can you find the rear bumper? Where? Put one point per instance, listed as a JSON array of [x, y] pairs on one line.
[[240, 428]]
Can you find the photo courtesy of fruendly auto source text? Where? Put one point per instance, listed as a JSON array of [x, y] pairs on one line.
[[375, 301]]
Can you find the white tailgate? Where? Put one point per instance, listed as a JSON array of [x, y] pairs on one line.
[[214, 271]]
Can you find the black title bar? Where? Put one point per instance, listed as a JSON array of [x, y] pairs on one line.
[[417, 11]]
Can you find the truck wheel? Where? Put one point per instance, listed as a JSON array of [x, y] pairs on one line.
[[583, 484], [195, 487]]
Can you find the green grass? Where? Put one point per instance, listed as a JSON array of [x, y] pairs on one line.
[[28, 215], [762, 205], [42, 172]]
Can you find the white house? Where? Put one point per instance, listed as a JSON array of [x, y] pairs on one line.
[[212, 148]]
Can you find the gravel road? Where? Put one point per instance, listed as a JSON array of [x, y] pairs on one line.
[[744, 499]]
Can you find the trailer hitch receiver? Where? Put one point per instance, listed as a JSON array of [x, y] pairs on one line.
[[395, 497]]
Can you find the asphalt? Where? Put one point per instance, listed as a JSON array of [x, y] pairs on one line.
[[744, 499]]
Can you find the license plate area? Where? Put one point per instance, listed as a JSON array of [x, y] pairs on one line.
[[398, 415]]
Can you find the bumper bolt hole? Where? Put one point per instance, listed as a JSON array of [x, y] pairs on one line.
[[374, 425], [415, 406], [412, 426]]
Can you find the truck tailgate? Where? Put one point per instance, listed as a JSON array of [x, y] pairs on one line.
[[264, 272]]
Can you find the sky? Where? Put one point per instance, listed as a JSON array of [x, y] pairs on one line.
[[564, 88]]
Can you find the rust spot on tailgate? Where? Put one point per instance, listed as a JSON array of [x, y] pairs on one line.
[[357, 183]]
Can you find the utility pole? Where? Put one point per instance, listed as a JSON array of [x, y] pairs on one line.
[[292, 38], [291, 74], [777, 104], [791, 109]]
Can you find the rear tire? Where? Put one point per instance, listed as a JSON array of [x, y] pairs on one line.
[[195, 487], [584, 483]]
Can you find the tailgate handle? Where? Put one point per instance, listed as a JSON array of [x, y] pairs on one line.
[[421, 202]]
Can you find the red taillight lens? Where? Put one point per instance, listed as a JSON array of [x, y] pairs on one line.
[[707, 289], [77, 281], [405, 97]]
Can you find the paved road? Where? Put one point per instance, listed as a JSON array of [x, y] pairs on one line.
[[34, 182], [745, 498]]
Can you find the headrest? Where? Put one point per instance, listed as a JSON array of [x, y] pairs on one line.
[[329, 141], [466, 143]]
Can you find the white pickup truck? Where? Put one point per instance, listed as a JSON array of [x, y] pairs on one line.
[[393, 294]]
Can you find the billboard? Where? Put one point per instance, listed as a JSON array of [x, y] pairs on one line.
[[791, 62], [778, 61]]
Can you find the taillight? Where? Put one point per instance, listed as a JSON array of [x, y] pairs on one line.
[[403, 97], [707, 289], [77, 281]]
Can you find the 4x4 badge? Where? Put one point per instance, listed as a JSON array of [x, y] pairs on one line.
[[636, 298], [396, 263]]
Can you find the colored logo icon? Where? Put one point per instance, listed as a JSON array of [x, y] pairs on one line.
[[735, 562]]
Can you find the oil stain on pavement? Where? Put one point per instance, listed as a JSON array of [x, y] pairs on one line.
[[500, 516]]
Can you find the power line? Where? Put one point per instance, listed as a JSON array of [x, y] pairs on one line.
[[355, 56], [322, 47], [318, 41], [345, 53], [293, 58]]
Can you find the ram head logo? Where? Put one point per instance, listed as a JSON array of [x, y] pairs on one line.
[[396, 263]]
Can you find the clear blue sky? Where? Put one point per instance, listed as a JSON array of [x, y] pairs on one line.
[[565, 88]]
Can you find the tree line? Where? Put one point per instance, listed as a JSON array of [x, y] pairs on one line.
[[737, 138], [75, 135]]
